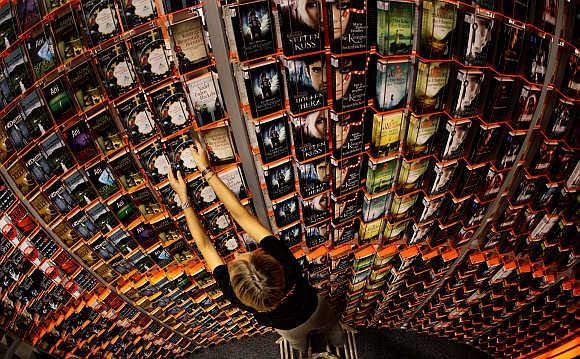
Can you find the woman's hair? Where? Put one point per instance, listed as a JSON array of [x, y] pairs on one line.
[[258, 282]]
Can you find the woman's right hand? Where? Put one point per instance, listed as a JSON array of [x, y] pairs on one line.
[[200, 156], [178, 184]]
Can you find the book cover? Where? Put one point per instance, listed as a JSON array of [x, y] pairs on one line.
[[401, 207], [349, 82], [17, 129], [218, 145], [509, 149], [395, 21], [141, 261], [429, 209], [467, 92], [561, 119], [166, 230], [264, 88], [544, 156], [43, 207], [486, 142], [345, 208], [180, 251], [216, 220], [307, 83], [525, 107], [202, 194], [38, 165], [161, 257], [67, 34], [316, 235], [314, 176], [100, 20], [234, 180], [437, 30], [104, 249], [546, 13], [536, 62], [510, 49], [102, 178], [79, 187], [126, 171], [205, 98], [145, 235], [310, 137], [171, 107], [571, 81], [59, 158], [430, 87], [105, 132], [442, 177], [102, 217], [279, 180], [345, 233], [386, 133], [41, 50], [477, 37], [347, 133], [305, 23], [226, 243], [79, 140], [380, 174], [123, 241], [253, 29], [394, 231], [492, 183], [117, 70], [189, 45], [273, 139], [34, 109], [469, 181], [150, 54], [135, 13], [346, 174], [421, 134], [418, 234], [348, 20], [292, 235], [60, 101], [17, 71], [286, 211], [137, 118], [84, 225], [178, 151], [392, 83], [87, 255], [412, 173], [61, 197], [374, 207], [316, 209], [155, 162], [455, 136], [500, 98]]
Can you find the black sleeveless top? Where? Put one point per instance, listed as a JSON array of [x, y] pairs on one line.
[[296, 308]]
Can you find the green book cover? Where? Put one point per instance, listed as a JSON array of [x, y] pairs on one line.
[[394, 27], [380, 175]]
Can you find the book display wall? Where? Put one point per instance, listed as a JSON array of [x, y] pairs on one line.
[[404, 148], [98, 100], [419, 158]]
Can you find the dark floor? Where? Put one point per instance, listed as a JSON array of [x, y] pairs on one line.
[[371, 344]]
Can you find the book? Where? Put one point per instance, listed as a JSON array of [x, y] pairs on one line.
[[316, 235], [486, 143], [166, 230], [536, 60], [155, 162], [430, 87], [180, 251], [205, 98], [253, 27], [216, 220], [189, 45], [135, 13], [468, 86], [279, 179], [218, 145], [429, 208], [442, 177], [8, 21], [263, 88], [544, 156], [286, 211], [102, 178], [561, 119], [412, 173], [315, 209], [346, 174], [347, 133], [202, 194], [61, 197], [226, 243], [386, 133], [456, 134], [477, 37], [59, 100], [546, 14], [345, 208], [41, 51], [492, 183], [525, 107], [67, 34], [571, 82], [292, 235], [172, 110], [437, 30], [126, 171], [141, 261], [145, 235], [101, 21], [17, 129], [510, 49], [102, 217], [34, 110], [349, 82], [122, 241], [380, 174], [469, 181], [6, 148], [178, 151], [420, 136], [79, 187], [161, 257], [395, 20], [234, 180], [500, 99], [392, 84], [117, 70], [305, 24], [38, 165], [510, 146], [17, 71], [345, 233], [150, 55], [104, 132], [348, 19], [137, 118], [374, 207], [314, 176], [79, 140], [273, 139], [7, 197], [310, 138], [59, 158], [43, 207], [306, 83]]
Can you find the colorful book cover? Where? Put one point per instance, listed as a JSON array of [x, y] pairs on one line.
[[429, 209], [80, 142], [314, 176], [305, 24], [395, 27], [273, 139], [310, 138], [102, 217], [179, 153], [67, 34], [79, 187], [346, 174], [380, 175], [17, 71], [430, 87], [292, 235], [345, 208], [437, 30], [286, 211], [412, 173], [253, 29], [60, 101], [126, 171], [105, 132], [347, 133], [386, 133], [392, 84], [307, 81], [102, 178], [421, 134], [374, 207], [41, 50], [456, 136], [155, 162], [264, 89], [441, 177], [218, 145]]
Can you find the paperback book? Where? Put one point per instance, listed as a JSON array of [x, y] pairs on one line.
[[346, 174], [67, 34], [117, 70], [441, 177], [412, 174], [60, 102], [510, 49], [79, 140], [101, 21], [59, 158], [273, 139], [525, 107], [348, 19], [172, 110], [189, 45], [292, 235], [310, 137], [205, 98], [429, 208], [41, 50], [137, 118], [536, 62], [102, 178], [315, 236], [456, 134], [468, 86], [316, 209], [477, 39], [305, 24], [286, 211], [395, 27], [561, 119], [349, 82], [392, 84], [253, 27], [180, 155], [126, 171], [307, 82], [135, 13], [79, 187], [437, 30], [150, 54], [85, 86], [380, 174], [500, 99], [345, 208], [264, 88], [17, 71], [279, 179], [105, 132], [102, 217], [347, 133], [421, 134], [374, 207], [314, 177], [430, 87], [218, 145], [485, 144], [386, 133], [510, 146]]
